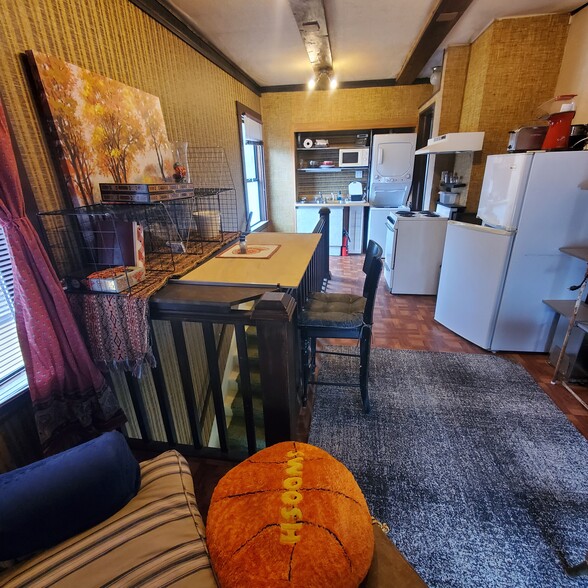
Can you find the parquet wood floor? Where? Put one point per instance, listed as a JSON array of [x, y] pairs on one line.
[[406, 322]]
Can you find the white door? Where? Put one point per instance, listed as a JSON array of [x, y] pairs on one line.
[[335, 230], [389, 253], [393, 156], [307, 218], [473, 267], [503, 189]]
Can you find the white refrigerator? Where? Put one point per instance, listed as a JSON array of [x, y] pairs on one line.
[[494, 277]]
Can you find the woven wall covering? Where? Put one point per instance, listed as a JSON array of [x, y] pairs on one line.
[[455, 66], [117, 40], [513, 69]]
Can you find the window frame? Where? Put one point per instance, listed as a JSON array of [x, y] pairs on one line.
[[259, 157], [14, 383]]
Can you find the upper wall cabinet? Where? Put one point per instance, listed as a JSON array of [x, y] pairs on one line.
[[324, 151]]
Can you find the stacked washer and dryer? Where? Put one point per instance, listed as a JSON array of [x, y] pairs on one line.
[[392, 162]]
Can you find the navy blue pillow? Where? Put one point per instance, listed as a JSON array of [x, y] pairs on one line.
[[55, 498]]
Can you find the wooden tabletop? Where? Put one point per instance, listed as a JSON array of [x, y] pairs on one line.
[[285, 267]]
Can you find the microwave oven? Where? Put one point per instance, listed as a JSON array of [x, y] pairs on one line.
[[354, 157]]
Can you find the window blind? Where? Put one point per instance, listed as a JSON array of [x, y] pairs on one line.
[[12, 375], [252, 130]]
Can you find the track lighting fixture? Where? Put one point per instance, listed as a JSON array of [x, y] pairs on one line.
[[319, 81], [435, 78]]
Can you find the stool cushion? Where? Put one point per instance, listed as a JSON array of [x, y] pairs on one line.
[[333, 310], [290, 515], [60, 496]]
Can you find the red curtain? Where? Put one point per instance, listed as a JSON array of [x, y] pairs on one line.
[[71, 399]]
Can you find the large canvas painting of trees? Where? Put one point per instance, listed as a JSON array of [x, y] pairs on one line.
[[104, 131]]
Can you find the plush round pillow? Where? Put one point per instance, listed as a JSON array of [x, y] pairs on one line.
[[291, 515]]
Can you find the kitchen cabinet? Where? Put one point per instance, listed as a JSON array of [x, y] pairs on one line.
[[314, 176], [307, 216], [347, 215]]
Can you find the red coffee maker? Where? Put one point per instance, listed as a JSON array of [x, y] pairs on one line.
[[559, 111]]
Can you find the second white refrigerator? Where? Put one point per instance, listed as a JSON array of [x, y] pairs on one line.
[[494, 279]]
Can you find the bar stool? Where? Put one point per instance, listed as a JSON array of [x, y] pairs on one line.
[[342, 316]]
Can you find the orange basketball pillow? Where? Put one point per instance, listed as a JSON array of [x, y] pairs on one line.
[[291, 515]]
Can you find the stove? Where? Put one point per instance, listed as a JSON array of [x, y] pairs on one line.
[[413, 251], [417, 214]]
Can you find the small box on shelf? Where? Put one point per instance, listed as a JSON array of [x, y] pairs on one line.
[[116, 279], [144, 193]]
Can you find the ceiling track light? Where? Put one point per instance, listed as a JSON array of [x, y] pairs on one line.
[[318, 78]]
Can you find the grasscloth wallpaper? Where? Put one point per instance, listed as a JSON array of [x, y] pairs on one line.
[[455, 66], [513, 68], [117, 40]]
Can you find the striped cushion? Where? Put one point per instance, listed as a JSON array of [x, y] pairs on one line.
[[156, 540]]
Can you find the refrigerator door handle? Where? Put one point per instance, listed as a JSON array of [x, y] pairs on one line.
[[482, 228]]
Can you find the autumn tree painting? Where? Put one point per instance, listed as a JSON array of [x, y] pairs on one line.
[[151, 115], [118, 133], [106, 131], [59, 94]]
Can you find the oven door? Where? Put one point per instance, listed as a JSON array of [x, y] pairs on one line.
[[389, 252]]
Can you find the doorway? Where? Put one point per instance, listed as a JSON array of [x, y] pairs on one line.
[[424, 133]]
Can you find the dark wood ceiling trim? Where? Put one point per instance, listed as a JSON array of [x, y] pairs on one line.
[[165, 17], [342, 85], [436, 30]]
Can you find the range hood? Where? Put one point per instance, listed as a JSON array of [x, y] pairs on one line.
[[452, 143]]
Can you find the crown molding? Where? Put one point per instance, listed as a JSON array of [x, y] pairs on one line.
[[168, 19]]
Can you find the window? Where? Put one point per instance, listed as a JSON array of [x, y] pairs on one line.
[[253, 165], [12, 375]]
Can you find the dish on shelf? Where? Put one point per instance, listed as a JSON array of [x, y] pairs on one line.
[[327, 164]]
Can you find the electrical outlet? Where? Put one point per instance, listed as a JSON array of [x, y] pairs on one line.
[[358, 173]]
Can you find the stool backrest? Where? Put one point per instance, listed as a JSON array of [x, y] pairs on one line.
[[373, 250], [370, 286]]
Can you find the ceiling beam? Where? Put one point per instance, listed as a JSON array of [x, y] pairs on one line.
[[443, 19], [312, 24]]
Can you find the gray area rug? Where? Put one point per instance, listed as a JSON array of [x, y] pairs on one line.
[[482, 480]]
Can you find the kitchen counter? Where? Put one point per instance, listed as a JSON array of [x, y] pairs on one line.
[[334, 204], [345, 218]]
